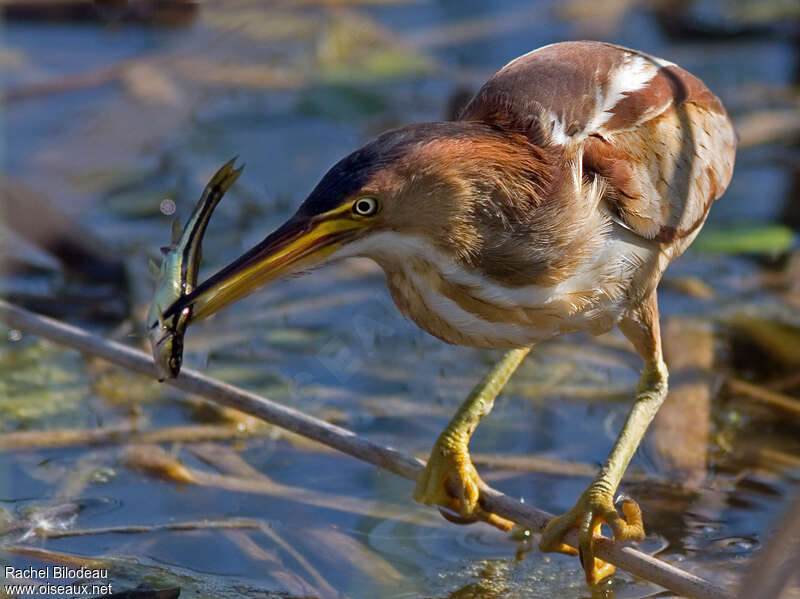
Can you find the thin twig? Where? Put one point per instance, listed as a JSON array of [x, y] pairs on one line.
[[20, 440], [772, 398], [626, 558], [129, 529], [544, 465], [53, 557], [533, 463]]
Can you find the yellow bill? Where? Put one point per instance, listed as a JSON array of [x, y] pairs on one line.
[[301, 242]]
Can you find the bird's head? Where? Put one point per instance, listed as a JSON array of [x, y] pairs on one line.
[[446, 184]]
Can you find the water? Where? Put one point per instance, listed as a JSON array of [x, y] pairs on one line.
[[291, 90]]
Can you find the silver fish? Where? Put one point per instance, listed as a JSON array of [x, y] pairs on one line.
[[177, 276]]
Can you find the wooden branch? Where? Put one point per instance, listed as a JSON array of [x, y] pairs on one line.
[[627, 558]]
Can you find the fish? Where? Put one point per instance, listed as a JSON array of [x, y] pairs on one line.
[[177, 275]]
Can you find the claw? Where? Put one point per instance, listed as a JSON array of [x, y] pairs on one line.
[[455, 518], [449, 480], [591, 511], [451, 483], [630, 527], [479, 515]]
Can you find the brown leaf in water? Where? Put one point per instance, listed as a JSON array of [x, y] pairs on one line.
[[152, 459]]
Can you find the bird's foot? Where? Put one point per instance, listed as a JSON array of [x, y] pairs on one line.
[[451, 482], [594, 508]]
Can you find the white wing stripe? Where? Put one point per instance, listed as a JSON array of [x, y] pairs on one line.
[[633, 74]]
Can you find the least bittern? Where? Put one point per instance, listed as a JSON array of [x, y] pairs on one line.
[[553, 205]]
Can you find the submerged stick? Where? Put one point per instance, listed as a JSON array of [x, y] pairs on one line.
[[19, 440], [771, 398], [627, 558], [129, 529]]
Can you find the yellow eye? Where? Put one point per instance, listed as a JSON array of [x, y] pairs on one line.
[[366, 206]]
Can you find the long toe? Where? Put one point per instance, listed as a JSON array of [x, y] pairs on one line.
[[451, 482], [630, 527], [591, 511], [594, 568]]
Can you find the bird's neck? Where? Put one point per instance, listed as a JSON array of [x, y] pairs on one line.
[[526, 215]]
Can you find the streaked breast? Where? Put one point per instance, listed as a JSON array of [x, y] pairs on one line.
[[463, 307]]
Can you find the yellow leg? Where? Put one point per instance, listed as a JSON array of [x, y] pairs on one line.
[[450, 479], [595, 506]]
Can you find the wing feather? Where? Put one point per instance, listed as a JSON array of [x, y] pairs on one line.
[[661, 140]]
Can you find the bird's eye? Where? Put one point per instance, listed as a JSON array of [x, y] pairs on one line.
[[365, 206]]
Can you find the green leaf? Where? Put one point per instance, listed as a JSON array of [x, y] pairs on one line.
[[766, 239]]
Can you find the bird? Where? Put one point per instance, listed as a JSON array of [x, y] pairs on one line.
[[552, 205]]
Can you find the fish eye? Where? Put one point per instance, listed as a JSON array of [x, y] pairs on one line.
[[366, 206]]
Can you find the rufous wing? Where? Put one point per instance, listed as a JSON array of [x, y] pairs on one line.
[[661, 140]]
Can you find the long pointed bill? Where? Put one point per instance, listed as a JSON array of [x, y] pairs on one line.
[[301, 242]]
